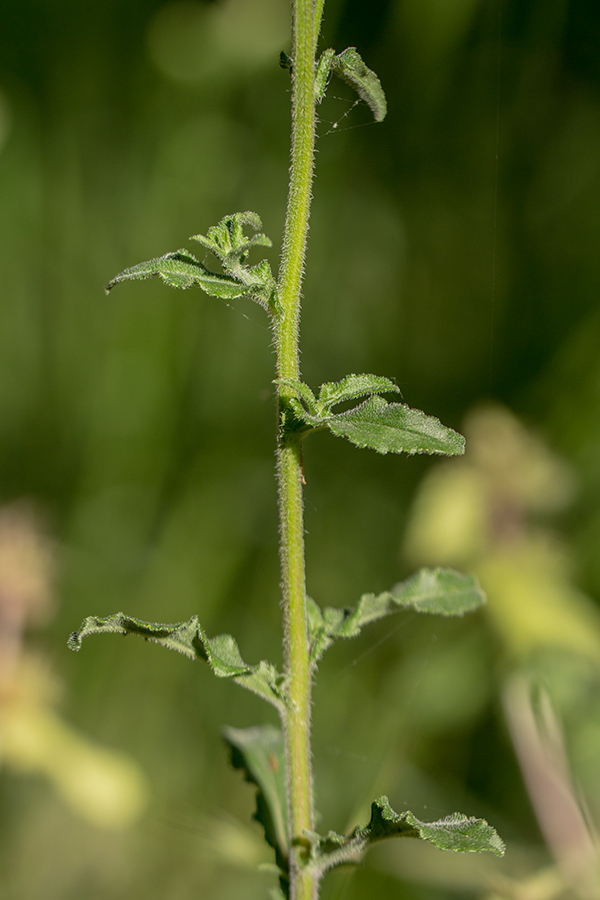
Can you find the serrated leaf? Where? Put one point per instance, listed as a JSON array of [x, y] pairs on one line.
[[434, 591], [350, 67], [221, 652], [227, 240], [395, 428], [182, 270], [352, 387], [463, 834], [261, 285], [259, 752]]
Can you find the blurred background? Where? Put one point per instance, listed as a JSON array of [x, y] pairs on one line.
[[454, 248]]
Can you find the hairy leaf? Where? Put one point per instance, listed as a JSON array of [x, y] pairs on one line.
[[231, 247], [352, 387], [181, 269], [227, 240], [456, 832], [350, 67], [395, 428], [435, 591], [259, 752], [221, 652], [322, 74], [303, 393], [375, 423]]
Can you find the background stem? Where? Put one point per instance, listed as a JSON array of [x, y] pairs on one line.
[[303, 885]]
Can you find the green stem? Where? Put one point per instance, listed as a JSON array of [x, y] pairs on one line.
[[303, 884]]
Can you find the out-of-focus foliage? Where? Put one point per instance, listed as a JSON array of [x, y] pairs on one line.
[[143, 424]]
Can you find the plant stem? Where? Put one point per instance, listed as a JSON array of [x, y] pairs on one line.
[[303, 884]]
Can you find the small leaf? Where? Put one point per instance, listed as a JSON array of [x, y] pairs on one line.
[[434, 591], [350, 67], [180, 269], [221, 652], [395, 428], [302, 392], [352, 387], [322, 74], [462, 834], [227, 240], [260, 753]]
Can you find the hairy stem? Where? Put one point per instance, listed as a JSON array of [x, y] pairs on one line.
[[303, 884]]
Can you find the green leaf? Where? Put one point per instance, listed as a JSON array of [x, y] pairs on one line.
[[375, 423], [302, 392], [229, 244], [395, 428], [322, 74], [259, 752], [462, 834], [350, 67], [434, 591], [182, 270], [353, 386], [227, 240], [221, 652]]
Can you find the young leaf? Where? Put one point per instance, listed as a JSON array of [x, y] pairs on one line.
[[229, 244], [181, 269], [435, 591], [350, 67], [302, 392], [457, 832], [227, 240], [260, 753], [221, 652], [395, 428], [322, 74], [352, 387]]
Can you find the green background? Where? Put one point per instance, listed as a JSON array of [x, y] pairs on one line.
[[453, 248]]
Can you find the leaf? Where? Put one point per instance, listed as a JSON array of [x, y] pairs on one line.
[[375, 423], [322, 74], [181, 269], [227, 240], [395, 428], [259, 751], [221, 652], [457, 832], [302, 392], [434, 591], [353, 386], [230, 245], [350, 67]]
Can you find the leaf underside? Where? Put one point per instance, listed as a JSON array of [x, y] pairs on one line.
[[221, 652], [349, 66], [259, 752], [434, 591], [456, 832]]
